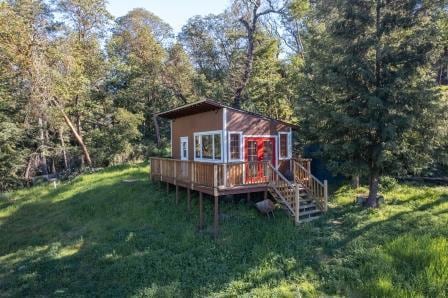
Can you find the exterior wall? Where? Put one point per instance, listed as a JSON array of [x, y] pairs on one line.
[[236, 122], [188, 125], [253, 125]]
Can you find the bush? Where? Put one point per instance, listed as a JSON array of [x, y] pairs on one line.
[[387, 183]]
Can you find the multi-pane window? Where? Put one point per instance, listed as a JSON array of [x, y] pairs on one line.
[[252, 151], [217, 146], [207, 146], [285, 145], [235, 146], [197, 146]]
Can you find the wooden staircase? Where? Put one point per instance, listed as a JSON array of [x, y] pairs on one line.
[[305, 198]]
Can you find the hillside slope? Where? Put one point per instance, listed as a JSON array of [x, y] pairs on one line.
[[99, 236]]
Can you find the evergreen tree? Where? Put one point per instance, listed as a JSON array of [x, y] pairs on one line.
[[268, 90], [371, 100]]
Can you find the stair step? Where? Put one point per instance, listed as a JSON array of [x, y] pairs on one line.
[[309, 212], [305, 206], [308, 219]]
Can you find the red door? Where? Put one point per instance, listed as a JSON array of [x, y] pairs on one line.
[[258, 150]]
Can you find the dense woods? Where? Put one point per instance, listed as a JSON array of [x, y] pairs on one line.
[[364, 79]]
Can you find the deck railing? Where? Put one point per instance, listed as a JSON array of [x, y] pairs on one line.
[[219, 176], [213, 175], [317, 189]]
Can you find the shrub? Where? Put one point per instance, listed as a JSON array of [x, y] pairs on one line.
[[387, 183]]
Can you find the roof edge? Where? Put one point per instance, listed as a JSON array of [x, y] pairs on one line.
[[221, 105]]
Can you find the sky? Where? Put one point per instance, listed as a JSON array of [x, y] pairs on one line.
[[174, 12]]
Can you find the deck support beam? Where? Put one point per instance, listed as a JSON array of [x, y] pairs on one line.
[[177, 194], [167, 187], [201, 212], [248, 198], [216, 217], [189, 199]]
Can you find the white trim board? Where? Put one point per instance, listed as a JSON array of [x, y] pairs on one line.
[[288, 145], [183, 139], [241, 146]]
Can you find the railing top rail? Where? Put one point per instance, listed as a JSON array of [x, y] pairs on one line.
[[311, 175], [297, 158], [211, 162], [281, 175]]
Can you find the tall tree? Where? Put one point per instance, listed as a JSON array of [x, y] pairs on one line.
[[178, 74], [25, 28], [371, 99], [268, 87], [215, 44], [87, 21], [137, 61], [249, 14]]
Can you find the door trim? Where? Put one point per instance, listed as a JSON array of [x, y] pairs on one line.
[[275, 137], [183, 139]]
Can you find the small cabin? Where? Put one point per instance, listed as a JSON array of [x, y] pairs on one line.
[[220, 150]]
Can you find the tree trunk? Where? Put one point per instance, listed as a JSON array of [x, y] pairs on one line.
[[42, 159], [75, 134], [372, 200], [157, 129], [53, 166], [78, 128], [248, 64], [28, 167], [355, 181], [64, 154]]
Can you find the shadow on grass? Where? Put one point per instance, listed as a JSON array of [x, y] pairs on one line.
[[128, 238], [131, 239]]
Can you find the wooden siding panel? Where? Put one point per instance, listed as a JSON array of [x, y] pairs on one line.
[[188, 125], [253, 125]]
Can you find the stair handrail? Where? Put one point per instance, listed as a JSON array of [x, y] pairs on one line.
[[296, 188], [321, 199], [309, 173], [276, 171]]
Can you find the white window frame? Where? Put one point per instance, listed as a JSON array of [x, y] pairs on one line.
[[212, 132], [240, 159], [183, 139], [288, 145]]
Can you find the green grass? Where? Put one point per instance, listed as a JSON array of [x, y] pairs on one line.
[[97, 236]]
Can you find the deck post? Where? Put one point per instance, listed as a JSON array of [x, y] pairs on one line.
[[188, 199], [265, 195], [192, 174], [161, 169], [294, 170], [201, 212], [215, 180], [175, 173], [325, 195], [177, 194], [297, 203], [248, 198], [216, 217], [167, 187], [225, 175]]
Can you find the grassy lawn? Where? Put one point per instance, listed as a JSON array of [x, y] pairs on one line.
[[99, 236]]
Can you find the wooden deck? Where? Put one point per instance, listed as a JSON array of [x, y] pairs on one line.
[[215, 179], [218, 179]]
